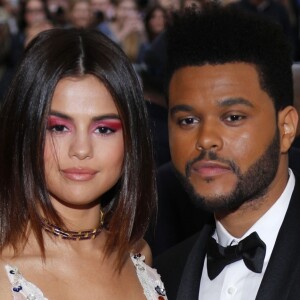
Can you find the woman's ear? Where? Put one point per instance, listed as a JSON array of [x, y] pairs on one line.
[[287, 122]]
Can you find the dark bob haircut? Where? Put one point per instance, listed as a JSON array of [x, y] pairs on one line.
[[53, 55], [219, 35]]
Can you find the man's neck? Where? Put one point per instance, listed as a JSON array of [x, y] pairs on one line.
[[238, 222]]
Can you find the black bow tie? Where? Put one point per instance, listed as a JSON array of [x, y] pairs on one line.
[[251, 249]]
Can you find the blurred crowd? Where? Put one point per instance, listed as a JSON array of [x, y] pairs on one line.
[[134, 24]]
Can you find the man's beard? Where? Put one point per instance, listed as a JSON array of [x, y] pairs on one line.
[[251, 185]]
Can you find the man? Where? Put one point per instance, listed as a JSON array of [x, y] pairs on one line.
[[231, 124]]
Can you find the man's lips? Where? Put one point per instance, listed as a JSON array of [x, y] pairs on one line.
[[79, 174], [210, 168]]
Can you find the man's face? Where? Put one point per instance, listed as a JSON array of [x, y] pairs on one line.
[[223, 134]]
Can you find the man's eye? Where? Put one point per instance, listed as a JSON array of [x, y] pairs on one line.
[[234, 118], [188, 121]]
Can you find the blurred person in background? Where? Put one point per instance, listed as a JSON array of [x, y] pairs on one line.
[[154, 57], [11, 7], [4, 36], [127, 29], [296, 86], [6, 66], [171, 7], [80, 14], [103, 10], [155, 21], [34, 18], [58, 11]]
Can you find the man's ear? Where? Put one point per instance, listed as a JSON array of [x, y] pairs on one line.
[[287, 122]]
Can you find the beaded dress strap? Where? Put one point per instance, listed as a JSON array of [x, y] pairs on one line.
[[21, 288], [149, 278]]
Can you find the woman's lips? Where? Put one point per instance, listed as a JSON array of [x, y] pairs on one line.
[[79, 174], [210, 168]]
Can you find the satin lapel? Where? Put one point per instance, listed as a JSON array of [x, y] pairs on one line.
[[190, 280], [285, 257]]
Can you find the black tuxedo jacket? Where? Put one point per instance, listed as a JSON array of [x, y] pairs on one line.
[[181, 266]]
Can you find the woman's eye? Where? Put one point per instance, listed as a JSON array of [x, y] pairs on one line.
[[104, 130], [58, 128]]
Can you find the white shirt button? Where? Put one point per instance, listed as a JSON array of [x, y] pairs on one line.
[[231, 290]]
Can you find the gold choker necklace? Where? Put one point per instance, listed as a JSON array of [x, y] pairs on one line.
[[72, 235]]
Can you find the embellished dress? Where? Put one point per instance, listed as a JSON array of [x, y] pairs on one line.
[[148, 277]]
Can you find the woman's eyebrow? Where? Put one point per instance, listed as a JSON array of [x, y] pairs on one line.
[[60, 115], [106, 116], [95, 118]]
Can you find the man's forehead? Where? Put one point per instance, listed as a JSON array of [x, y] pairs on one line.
[[225, 84], [214, 76]]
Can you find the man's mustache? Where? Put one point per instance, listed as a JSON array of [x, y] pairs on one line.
[[212, 156]]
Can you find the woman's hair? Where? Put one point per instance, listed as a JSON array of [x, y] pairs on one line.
[[53, 55]]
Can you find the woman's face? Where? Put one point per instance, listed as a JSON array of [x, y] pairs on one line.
[[157, 21], [84, 147]]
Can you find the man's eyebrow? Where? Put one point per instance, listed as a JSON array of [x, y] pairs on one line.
[[222, 103], [180, 108], [234, 101]]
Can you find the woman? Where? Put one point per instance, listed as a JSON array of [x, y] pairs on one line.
[[80, 14], [75, 154], [155, 22], [34, 18], [127, 29]]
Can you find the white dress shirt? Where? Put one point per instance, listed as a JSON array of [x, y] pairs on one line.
[[236, 281]]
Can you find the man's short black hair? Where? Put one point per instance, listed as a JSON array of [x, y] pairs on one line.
[[219, 35]]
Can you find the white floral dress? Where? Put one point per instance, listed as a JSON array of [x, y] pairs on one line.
[[148, 277]]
